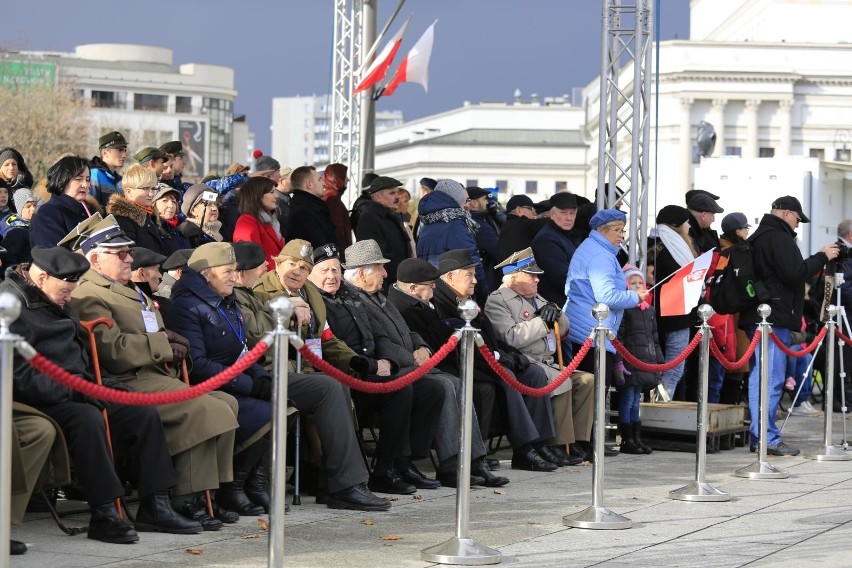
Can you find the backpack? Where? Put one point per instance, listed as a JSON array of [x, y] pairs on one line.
[[734, 286]]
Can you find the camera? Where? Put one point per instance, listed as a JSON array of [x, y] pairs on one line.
[[210, 196]]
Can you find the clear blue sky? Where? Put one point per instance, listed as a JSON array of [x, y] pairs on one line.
[[484, 49]]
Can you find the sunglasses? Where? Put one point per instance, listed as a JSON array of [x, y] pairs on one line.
[[121, 254]]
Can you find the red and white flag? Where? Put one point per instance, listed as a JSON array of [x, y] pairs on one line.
[[681, 293], [377, 71], [414, 68]]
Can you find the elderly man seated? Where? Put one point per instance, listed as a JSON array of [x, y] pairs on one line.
[[408, 416], [530, 419], [525, 320], [44, 289], [141, 353], [317, 393], [365, 272]]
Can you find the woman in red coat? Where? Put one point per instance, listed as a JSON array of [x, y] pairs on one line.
[[257, 222]]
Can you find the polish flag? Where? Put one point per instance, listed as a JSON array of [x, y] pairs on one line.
[[382, 63], [683, 290], [415, 67]]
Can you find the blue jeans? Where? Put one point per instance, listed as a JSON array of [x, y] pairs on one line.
[[628, 405], [675, 343], [796, 367], [715, 379], [777, 374]]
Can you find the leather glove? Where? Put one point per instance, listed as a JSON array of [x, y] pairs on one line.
[[549, 312], [179, 345], [261, 388], [360, 365], [618, 374], [115, 384]]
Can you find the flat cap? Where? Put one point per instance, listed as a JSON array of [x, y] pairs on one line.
[[209, 255], [364, 253], [105, 233], [542, 206], [520, 261], [475, 192], [605, 216], [147, 154], [518, 201], [383, 182], [265, 163], [702, 202], [112, 139], [143, 258], [416, 271], [175, 148], [60, 262], [563, 200], [326, 252], [249, 255], [177, 259], [298, 249], [192, 197], [163, 189], [693, 192], [790, 203], [733, 221], [455, 260]]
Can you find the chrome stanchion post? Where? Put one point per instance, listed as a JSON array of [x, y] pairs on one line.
[[282, 310], [461, 549], [830, 451], [597, 516], [10, 309], [699, 490], [762, 468]]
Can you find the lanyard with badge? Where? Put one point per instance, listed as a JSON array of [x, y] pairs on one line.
[[238, 331], [149, 317], [550, 338]]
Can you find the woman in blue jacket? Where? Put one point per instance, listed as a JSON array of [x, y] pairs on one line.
[[205, 311], [68, 184]]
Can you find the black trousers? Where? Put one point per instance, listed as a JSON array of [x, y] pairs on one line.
[[394, 413], [529, 419], [137, 437]]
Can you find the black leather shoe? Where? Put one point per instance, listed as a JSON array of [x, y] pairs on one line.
[[198, 513], [552, 455], [450, 478], [531, 461], [224, 515], [589, 451], [106, 526], [493, 464], [16, 547], [155, 514], [562, 454], [391, 482], [782, 449], [490, 480], [575, 451], [322, 496], [416, 478], [357, 498]]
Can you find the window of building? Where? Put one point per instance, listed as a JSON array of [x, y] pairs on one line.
[[531, 187], [502, 185], [817, 153], [734, 151], [141, 101], [842, 155], [766, 153], [108, 99], [471, 183], [561, 186], [183, 105]]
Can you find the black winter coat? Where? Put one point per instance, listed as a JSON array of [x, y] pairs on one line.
[[384, 226], [665, 264], [704, 239], [778, 263], [638, 333], [137, 224], [310, 219], [553, 249], [517, 234], [55, 219]]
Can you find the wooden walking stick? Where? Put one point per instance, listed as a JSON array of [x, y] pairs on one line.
[[89, 326], [558, 344]]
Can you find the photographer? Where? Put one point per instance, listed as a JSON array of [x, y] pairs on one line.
[[844, 262]]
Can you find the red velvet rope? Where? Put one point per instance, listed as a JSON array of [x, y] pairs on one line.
[[60, 375], [531, 391], [656, 367], [736, 364], [817, 340], [379, 388], [840, 335]]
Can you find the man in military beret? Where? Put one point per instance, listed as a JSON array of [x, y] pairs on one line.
[[45, 288], [146, 269], [104, 179], [703, 207], [140, 352], [152, 158], [525, 320], [553, 246]]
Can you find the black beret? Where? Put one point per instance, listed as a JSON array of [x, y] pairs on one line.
[[175, 148], [143, 257], [454, 260], [563, 200], [416, 271], [249, 255], [383, 182], [673, 215], [326, 252], [60, 262], [177, 259]]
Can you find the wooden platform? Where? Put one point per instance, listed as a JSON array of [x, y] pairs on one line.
[[672, 426]]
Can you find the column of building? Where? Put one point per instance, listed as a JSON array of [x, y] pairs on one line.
[[718, 121], [751, 149]]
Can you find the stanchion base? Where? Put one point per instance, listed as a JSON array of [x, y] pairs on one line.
[[596, 518], [831, 453], [762, 470], [463, 551], [699, 491]]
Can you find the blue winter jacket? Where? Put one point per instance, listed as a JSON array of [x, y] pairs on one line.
[[595, 276], [199, 314], [55, 219]]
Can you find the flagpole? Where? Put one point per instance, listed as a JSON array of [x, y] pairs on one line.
[[366, 61]]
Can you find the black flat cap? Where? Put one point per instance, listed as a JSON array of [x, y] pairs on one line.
[[702, 202], [416, 271], [143, 258], [518, 201], [175, 148], [454, 260], [326, 252], [542, 206], [177, 259], [693, 192], [475, 192], [249, 255], [383, 182], [60, 262], [563, 200]]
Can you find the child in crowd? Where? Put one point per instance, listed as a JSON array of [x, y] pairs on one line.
[[638, 333]]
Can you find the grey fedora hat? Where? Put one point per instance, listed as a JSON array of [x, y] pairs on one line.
[[363, 253]]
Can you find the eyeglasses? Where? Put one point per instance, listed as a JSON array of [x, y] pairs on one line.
[[148, 189], [798, 219], [121, 254], [614, 230]]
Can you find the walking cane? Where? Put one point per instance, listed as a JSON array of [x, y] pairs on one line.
[[207, 497], [90, 326], [558, 344]]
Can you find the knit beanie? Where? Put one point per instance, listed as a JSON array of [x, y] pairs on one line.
[[673, 215], [22, 197], [452, 188], [631, 270], [8, 154]]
